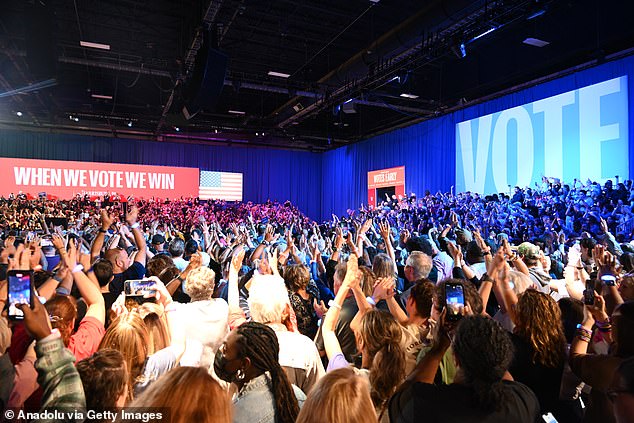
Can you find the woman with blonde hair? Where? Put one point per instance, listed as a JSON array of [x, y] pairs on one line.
[[341, 396], [155, 320], [190, 394], [129, 334], [378, 337]]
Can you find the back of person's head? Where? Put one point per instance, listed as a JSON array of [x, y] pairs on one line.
[[471, 295], [367, 280], [623, 328], [128, 334], [155, 320], [297, 277], [381, 336], [422, 293], [627, 262], [571, 316], [474, 253], [588, 243], [383, 266], [176, 247], [62, 310], [102, 269], [340, 396], [190, 394], [105, 378], [191, 247], [268, 299], [200, 284], [259, 344], [157, 264], [419, 244], [420, 263], [538, 322], [483, 351], [521, 282]]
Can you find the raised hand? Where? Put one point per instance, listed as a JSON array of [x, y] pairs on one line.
[[353, 275], [384, 229], [237, 258], [106, 220]]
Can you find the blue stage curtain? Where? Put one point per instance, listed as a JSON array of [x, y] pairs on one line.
[[269, 174], [428, 150]]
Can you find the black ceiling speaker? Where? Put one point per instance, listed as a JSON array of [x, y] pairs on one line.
[[41, 51], [202, 90]]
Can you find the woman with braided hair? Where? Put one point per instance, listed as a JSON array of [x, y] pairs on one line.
[[249, 359]]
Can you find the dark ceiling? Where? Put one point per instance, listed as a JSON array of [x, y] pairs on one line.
[[349, 61]]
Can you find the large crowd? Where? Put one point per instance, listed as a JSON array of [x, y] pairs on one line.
[[511, 307]]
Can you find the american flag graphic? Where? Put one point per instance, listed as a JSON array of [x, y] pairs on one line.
[[220, 186]]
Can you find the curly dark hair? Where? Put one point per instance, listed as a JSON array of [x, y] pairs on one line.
[[259, 343], [484, 350]]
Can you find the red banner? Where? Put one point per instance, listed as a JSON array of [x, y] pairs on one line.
[[67, 179], [392, 177]]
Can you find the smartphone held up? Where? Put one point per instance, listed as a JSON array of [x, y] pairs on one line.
[[20, 291]]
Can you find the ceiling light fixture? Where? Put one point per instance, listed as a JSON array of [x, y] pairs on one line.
[[408, 95], [177, 129], [279, 74], [488, 31], [236, 112], [130, 124], [536, 42], [101, 96], [18, 113], [94, 45]]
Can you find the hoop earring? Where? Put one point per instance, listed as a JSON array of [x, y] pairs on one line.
[[240, 375]]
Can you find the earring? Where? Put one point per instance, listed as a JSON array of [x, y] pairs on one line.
[[240, 375]]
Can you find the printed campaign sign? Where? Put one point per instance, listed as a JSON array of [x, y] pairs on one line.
[[384, 178], [579, 134], [66, 179]]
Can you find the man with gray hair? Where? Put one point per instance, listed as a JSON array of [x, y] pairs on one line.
[[417, 267], [269, 304]]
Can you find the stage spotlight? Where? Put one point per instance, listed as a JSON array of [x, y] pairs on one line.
[[130, 124], [18, 113], [177, 129]]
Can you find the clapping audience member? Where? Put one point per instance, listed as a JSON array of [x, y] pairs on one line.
[[378, 338]]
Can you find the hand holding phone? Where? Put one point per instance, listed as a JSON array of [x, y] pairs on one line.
[[454, 301]]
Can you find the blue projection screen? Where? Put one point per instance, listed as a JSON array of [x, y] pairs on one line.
[[579, 134]]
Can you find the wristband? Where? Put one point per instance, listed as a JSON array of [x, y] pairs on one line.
[[135, 225], [103, 231], [332, 304], [370, 300], [78, 268]]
